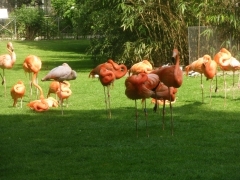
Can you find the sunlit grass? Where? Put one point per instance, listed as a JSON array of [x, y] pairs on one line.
[[85, 144]]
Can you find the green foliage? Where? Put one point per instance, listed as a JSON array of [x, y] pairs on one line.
[[135, 29], [29, 21]]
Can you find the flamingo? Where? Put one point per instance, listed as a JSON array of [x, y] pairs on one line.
[[141, 86], [64, 93], [204, 65], [171, 76], [143, 66], [54, 87], [41, 105], [6, 62], [17, 91], [118, 70], [108, 72], [227, 63], [209, 68], [61, 73], [162, 96], [32, 65]]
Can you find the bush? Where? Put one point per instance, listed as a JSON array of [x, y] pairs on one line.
[[29, 21]]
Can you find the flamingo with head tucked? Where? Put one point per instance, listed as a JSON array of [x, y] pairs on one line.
[[108, 72], [6, 62], [141, 86], [162, 95], [141, 67], [61, 73], [17, 91], [54, 87]]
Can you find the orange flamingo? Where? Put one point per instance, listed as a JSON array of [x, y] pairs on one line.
[[64, 93], [54, 87], [209, 68], [143, 66], [17, 91], [141, 86], [108, 72], [204, 65], [32, 65], [162, 95], [118, 70], [41, 105], [61, 73], [171, 76], [6, 62], [227, 63]]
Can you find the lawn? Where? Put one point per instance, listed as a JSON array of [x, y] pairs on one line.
[[84, 144]]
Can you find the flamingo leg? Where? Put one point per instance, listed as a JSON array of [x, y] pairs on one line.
[[211, 91], [146, 118], [202, 88], [109, 107], [4, 82], [37, 83], [21, 101], [225, 88], [170, 102], [216, 83], [136, 113], [61, 99], [233, 84], [107, 101], [163, 114], [105, 98]]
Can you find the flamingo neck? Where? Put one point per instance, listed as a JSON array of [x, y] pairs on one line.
[[13, 55], [37, 86]]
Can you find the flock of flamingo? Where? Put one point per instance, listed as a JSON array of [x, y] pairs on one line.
[[160, 84], [144, 82], [209, 68], [32, 65]]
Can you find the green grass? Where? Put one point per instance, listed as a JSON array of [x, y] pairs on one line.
[[85, 144]]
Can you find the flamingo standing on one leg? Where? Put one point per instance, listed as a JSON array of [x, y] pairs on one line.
[[61, 73], [171, 76], [6, 62], [17, 91], [108, 72], [141, 86], [32, 64], [209, 68]]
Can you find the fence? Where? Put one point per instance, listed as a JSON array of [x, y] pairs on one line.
[[52, 28], [206, 40]]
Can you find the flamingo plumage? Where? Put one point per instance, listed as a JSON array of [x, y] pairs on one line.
[[171, 76], [6, 62], [141, 86], [17, 91]]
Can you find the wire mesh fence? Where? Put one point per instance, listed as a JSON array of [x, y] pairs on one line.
[[52, 28], [208, 40]]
